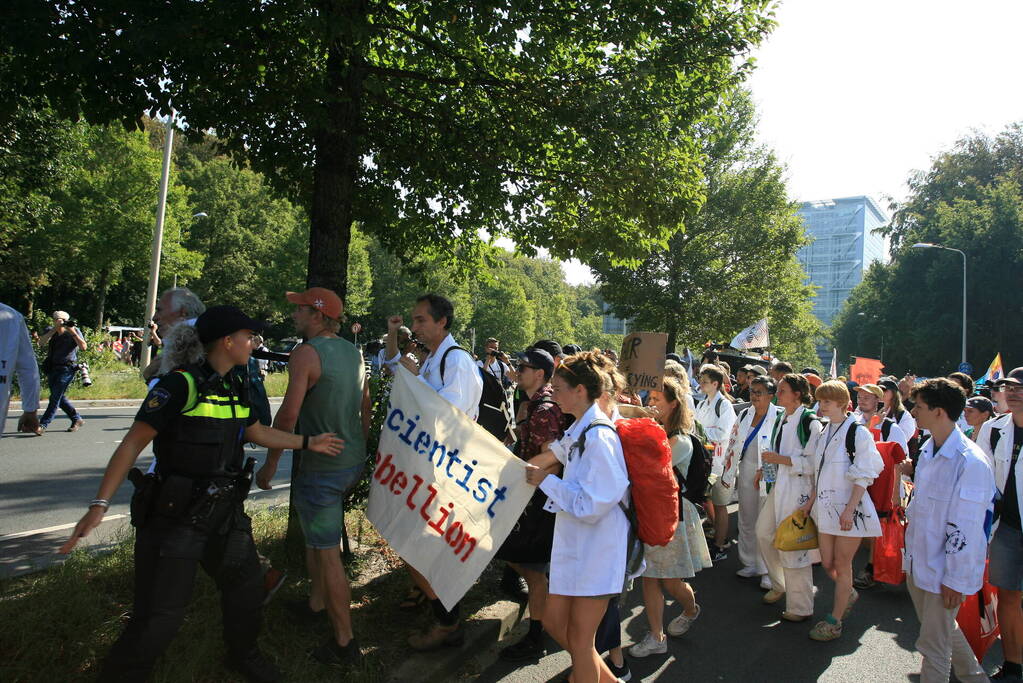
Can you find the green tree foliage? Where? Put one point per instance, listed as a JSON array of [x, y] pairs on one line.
[[970, 199], [736, 261], [564, 126]]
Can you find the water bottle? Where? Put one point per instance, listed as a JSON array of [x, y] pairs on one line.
[[770, 469]]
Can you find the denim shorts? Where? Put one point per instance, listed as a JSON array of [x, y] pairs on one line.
[[1006, 568], [319, 500]]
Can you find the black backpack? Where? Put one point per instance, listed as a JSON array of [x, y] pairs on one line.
[[693, 486], [494, 415]]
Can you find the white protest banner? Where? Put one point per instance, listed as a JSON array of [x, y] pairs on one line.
[[444, 493], [642, 360]]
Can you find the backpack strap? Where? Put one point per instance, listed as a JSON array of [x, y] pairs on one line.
[[994, 437], [744, 413], [850, 440], [717, 406], [803, 429], [580, 443], [886, 428], [444, 358]]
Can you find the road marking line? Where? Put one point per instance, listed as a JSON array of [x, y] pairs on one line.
[[108, 518], [49, 529]]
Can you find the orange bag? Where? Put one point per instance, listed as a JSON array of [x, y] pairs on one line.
[[654, 487], [978, 618], [887, 559]]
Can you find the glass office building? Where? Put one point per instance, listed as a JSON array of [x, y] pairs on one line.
[[844, 245]]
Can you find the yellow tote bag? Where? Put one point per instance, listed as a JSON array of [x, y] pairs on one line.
[[797, 532]]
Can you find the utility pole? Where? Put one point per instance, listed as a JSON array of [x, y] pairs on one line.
[[154, 263]]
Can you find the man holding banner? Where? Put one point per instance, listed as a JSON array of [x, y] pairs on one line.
[[461, 386]]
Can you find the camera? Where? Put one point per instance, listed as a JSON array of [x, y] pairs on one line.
[[70, 323], [492, 353], [83, 368]]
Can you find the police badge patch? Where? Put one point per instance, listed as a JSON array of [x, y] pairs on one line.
[[156, 399]]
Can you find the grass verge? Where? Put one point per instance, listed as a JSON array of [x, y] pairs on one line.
[[126, 382], [59, 624]]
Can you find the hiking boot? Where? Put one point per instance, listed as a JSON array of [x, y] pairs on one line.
[[514, 586], [76, 425], [679, 626], [772, 596], [273, 579], [525, 650], [864, 580], [329, 652], [436, 637], [853, 597], [254, 667], [823, 631], [649, 646]]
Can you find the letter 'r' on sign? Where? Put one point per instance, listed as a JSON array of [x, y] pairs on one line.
[[632, 348]]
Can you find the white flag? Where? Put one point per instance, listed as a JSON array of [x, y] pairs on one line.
[[834, 363], [753, 337]]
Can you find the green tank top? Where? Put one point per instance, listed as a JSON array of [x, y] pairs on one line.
[[334, 404]]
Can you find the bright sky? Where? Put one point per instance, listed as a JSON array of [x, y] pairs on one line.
[[854, 96]]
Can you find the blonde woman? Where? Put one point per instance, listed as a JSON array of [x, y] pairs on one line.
[[687, 553]]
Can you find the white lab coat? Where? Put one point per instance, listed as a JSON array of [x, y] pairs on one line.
[[718, 427], [794, 483], [1001, 457], [740, 430], [461, 384], [907, 423], [590, 529], [16, 358], [836, 476], [952, 495]]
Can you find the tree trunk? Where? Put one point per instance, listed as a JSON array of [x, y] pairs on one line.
[[104, 285], [335, 170], [672, 331]]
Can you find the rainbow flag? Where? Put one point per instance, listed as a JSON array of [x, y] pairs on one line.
[[994, 371]]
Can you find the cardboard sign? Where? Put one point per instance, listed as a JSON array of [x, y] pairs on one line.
[[642, 360], [444, 493], [866, 370]]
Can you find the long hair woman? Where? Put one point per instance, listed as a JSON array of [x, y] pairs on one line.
[[591, 531], [669, 566]]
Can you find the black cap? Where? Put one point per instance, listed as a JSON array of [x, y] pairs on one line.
[[539, 359], [675, 357], [571, 349], [1014, 377], [550, 346], [981, 403], [889, 384], [809, 371], [221, 321]]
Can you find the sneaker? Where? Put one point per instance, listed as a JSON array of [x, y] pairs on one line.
[[254, 667], [649, 646], [864, 580], [765, 583], [525, 650], [436, 637], [337, 655], [772, 596], [273, 579], [853, 597], [747, 572], [301, 610], [823, 631], [679, 626], [720, 554], [76, 425], [514, 586], [622, 673]]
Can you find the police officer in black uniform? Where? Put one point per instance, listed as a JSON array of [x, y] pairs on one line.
[[189, 512]]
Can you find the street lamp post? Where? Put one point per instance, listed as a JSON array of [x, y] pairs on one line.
[[154, 263], [929, 245]]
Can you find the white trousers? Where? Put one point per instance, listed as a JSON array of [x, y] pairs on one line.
[[797, 584], [750, 502], [941, 642]]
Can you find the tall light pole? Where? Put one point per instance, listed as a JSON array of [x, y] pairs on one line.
[[929, 245], [154, 263]]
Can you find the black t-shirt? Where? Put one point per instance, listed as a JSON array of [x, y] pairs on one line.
[[1010, 501], [63, 349], [167, 399]]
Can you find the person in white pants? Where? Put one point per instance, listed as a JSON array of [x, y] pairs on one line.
[[793, 445], [741, 465]]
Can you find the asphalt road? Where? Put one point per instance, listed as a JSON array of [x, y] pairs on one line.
[[46, 483]]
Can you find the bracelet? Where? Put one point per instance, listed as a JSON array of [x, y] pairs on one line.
[[100, 502], [305, 442]]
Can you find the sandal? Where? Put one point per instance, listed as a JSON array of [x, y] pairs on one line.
[[413, 600]]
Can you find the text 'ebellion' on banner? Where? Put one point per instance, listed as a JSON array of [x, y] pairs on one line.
[[642, 360], [444, 493]]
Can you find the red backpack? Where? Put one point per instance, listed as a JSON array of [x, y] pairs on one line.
[[654, 487]]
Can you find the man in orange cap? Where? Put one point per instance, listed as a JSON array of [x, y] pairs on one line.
[[333, 367]]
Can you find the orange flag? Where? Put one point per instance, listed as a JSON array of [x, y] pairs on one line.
[[866, 370]]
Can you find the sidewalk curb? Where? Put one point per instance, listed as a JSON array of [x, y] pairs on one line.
[[15, 406], [491, 624]]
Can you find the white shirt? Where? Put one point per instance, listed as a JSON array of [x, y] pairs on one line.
[[953, 493], [1000, 458], [718, 427], [498, 369], [794, 482], [740, 430], [907, 423], [837, 475], [461, 384], [895, 432], [590, 529], [16, 358]]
